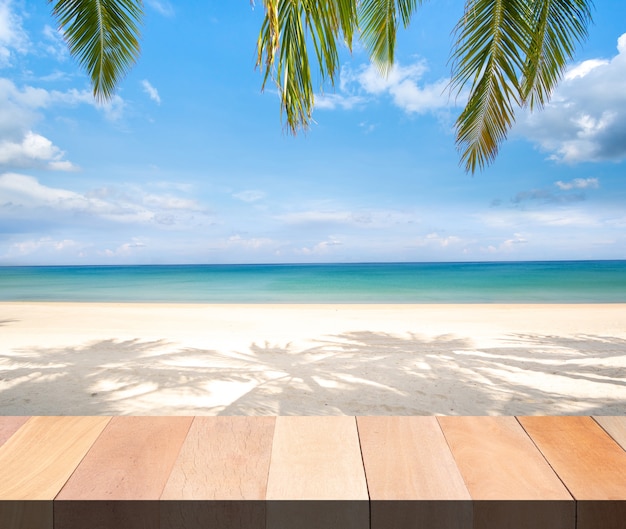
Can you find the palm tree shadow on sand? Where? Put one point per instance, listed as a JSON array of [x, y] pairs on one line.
[[358, 373]]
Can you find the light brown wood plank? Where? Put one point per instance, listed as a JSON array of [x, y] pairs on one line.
[[316, 476], [223, 458], [131, 460], [10, 425], [412, 478], [509, 480], [123, 475], [36, 461], [615, 426], [39, 458], [590, 463], [220, 476]]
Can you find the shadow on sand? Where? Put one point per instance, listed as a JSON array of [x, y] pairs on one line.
[[359, 373]]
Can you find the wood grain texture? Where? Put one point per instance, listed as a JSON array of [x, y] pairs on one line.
[[316, 458], [510, 481], [316, 476], [590, 463], [39, 458], [412, 478], [131, 460], [220, 476], [408, 458], [223, 458], [120, 480], [615, 426], [10, 425]]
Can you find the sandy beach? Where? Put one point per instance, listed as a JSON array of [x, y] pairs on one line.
[[171, 359]]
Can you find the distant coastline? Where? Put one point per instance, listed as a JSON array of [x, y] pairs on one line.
[[602, 281]]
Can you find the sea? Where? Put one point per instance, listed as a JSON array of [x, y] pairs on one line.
[[492, 282]]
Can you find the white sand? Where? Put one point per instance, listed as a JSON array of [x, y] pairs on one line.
[[150, 359]]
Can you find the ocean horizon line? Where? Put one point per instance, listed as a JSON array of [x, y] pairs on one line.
[[601, 281], [317, 263]]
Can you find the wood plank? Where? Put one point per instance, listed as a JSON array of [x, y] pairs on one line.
[[36, 461], [507, 477], [122, 477], [615, 426], [39, 458], [220, 476], [316, 477], [590, 463], [10, 425], [412, 478]]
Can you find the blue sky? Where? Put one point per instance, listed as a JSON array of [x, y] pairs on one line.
[[190, 163]]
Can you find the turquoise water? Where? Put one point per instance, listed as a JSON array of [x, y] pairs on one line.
[[516, 282]]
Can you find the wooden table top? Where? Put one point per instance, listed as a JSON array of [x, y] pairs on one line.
[[565, 472]]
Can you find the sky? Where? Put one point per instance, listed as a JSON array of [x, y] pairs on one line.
[[190, 162]]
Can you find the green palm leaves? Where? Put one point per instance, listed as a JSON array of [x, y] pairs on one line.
[[512, 53], [291, 27], [104, 37], [508, 53]]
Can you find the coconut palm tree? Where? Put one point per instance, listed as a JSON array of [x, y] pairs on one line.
[[508, 54]]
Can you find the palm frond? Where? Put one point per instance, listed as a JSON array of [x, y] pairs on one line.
[[378, 21], [556, 27], [104, 37], [288, 29], [490, 54]]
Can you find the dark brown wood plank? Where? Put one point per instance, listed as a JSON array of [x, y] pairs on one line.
[[36, 461], [220, 476], [590, 463], [507, 477], [123, 475], [412, 478], [316, 476], [10, 425]]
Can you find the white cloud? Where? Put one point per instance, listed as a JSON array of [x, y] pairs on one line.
[[434, 239], [33, 150], [317, 217], [404, 84], [578, 183], [34, 200], [321, 248], [333, 101], [21, 109], [586, 119], [125, 249], [362, 219], [171, 202], [249, 195], [151, 91], [13, 38], [252, 243], [574, 217], [29, 247], [584, 68], [163, 7], [54, 45], [518, 238]]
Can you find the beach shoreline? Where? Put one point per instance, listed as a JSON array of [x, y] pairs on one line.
[[81, 358]]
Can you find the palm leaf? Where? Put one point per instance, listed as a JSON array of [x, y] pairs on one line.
[[289, 28], [557, 26], [490, 54], [103, 35], [378, 21]]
